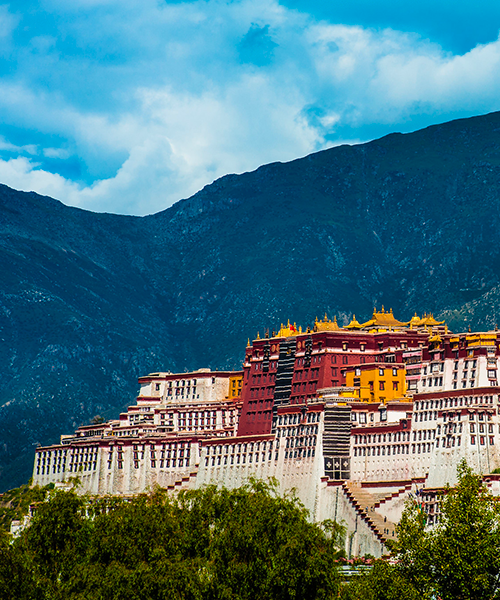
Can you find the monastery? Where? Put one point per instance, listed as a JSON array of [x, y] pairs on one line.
[[355, 419]]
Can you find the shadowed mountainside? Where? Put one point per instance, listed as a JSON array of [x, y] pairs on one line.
[[88, 302]]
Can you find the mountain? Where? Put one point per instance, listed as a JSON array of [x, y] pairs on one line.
[[88, 302]]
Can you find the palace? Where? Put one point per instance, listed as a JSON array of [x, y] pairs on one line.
[[354, 418]]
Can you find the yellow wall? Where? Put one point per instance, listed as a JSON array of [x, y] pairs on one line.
[[235, 384], [369, 380]]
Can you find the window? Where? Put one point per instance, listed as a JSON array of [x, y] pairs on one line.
[[362, 418], [381, 385], [395, 385]]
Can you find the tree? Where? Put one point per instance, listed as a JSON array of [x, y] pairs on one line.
[[54, 543], [206, 544], [385, 581], [466, 543], [457, 559]]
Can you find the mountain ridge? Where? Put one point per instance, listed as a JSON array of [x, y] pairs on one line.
[[90, 301]]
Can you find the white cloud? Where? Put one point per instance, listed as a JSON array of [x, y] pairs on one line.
[[154, 101], [23, 174], [29, 148]]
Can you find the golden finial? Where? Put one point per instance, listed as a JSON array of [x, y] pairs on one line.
[[326, 318], [469, 329], [383, 310], [300, 328], [446, 328], [258, 335], [335, 319], [248, 343], [390, 310]]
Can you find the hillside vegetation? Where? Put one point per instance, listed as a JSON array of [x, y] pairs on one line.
[[88, 302]]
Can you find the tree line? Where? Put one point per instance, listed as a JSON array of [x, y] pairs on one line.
[[249, 543]]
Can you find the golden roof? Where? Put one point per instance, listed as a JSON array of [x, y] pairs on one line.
[[427, 320], [326, 324], [382, 320], [430, 321], [354, 324], [288, 330]]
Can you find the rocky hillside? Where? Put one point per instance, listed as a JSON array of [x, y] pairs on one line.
[[88, 302]]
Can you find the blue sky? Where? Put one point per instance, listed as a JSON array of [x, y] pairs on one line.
[[127, 106]]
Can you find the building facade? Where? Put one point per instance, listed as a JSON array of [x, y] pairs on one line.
[[355, 419]]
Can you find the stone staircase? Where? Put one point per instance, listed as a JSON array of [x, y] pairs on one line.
[[183, 483], [365, 504], [392, 495]]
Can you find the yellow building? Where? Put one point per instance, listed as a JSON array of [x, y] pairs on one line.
[[377, 382], [235, 384]]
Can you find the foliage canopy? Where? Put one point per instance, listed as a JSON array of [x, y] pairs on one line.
[[247, 543], [458, 559]]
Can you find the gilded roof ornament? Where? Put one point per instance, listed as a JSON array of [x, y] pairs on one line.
[[384, 320], [326, 324], [354, 324], [288, 330]]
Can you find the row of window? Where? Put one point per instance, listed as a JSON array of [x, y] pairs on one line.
[[238, 448], [301, 430], [300, 442], [294, 418], [257, 366], [307, 374], [397, 436], [382, 450], [178, 392], [261, 392], [305, 386], [265, 378], [238, 459], [300, 453], [183, 383], [450, 402], [438, 381], [259, 416]]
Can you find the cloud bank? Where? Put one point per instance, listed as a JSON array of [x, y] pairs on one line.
[[127, 107]]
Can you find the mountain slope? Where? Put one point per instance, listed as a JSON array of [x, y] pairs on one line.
[[90, 301]]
